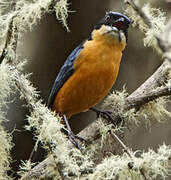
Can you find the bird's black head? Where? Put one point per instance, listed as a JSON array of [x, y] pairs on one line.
[[115, 19]]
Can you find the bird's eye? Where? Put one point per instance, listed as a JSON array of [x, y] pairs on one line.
[[107, 18]]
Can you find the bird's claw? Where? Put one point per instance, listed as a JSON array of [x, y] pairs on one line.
[[105, 114], [73, 137]]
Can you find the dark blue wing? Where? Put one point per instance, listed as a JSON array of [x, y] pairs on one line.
[[65, 72]]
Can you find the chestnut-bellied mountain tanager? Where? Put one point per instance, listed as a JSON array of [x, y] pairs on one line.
[[91, 69]]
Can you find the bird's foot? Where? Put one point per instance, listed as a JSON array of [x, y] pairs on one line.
[[105, 114], [72, 137]]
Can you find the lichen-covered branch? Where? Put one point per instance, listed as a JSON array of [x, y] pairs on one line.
[[6, 86], [154, 164], [150, 89], [164, 41], [48, 130], [139, 101], [5, 137], [8, 40], [151, 21], [27, 14], [141, 13], [40, 169]]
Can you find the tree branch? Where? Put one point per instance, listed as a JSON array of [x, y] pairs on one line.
[[150, 89]]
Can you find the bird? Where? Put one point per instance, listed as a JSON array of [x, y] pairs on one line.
[[91, 69]]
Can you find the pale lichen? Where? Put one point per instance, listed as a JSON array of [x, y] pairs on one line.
[[153, 164], [158, 19], [5, 148], [5, 137], [115, 102], [61, 9], [151, 30], [25, 166], [154, 110], [27, 14], [30, 13], [105, 128]]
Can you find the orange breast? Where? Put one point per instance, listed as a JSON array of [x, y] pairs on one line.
[[96, 70]]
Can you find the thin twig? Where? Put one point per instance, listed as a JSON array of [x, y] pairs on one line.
[[126, 149]]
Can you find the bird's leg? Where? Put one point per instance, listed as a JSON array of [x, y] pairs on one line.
[[105, 114], [71, 135]]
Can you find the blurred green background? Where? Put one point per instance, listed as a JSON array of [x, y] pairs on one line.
[[47, 46]]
